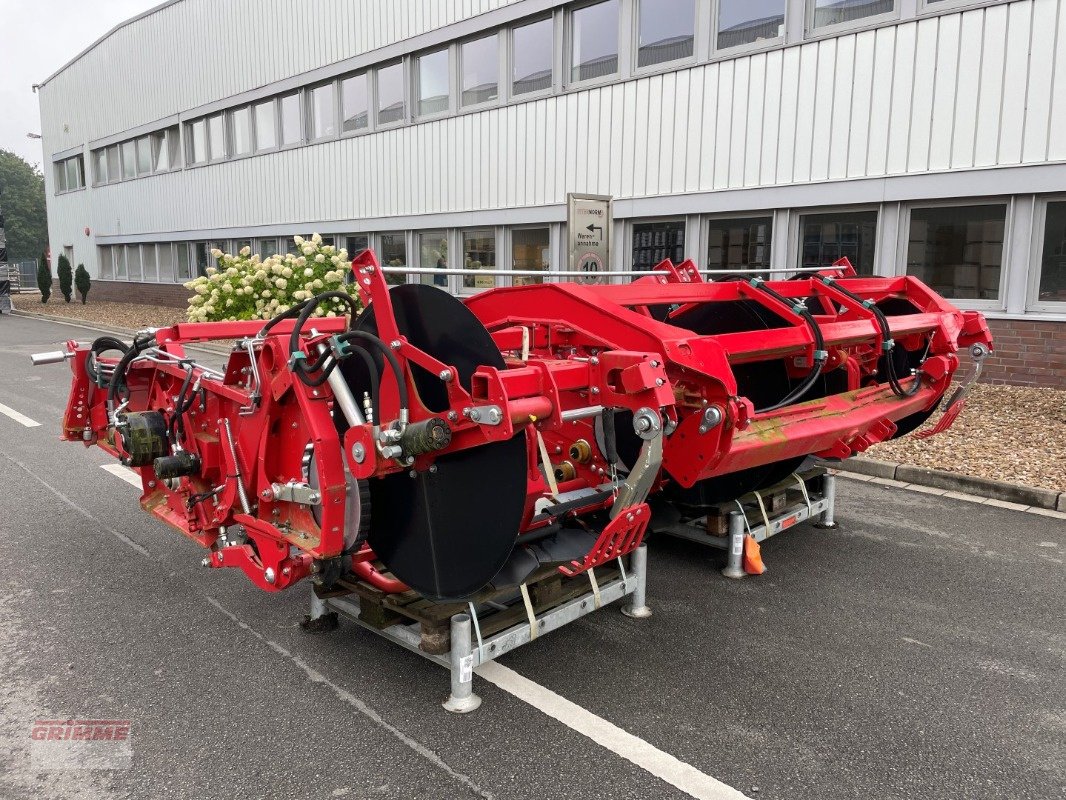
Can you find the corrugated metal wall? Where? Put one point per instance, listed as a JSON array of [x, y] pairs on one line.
[[979, 88]]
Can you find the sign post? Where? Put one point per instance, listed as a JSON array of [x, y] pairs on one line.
[[589, 224]]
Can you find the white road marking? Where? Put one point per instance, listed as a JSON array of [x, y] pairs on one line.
[[347, 697], [908, 640], [606, 734], [21, 419], [127, 474]]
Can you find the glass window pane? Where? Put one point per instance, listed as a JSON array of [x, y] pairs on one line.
[[133, 261], [1053, 256], [394, 254], [356, 105], [202, 257], [173, 146], [144, 155], [148, 262], [60, 168], [433, 254], [323, 112], [746, 21], [241, 120], [594, 41], [119, 252], [266, 126], [356, 244], [160, 152], [433, 74], [216, 137], [100, 166], [114, 171], [958, 251], [268, 248], [834, 12], [828, 237], [73, 173], [165, 254], [107, 266], [530, 250], [655, 241], [198, 141], [129, 160], [182, 263], [532, 55], [481, 70], [739, 244], [479, 252], [390, 94], [667, 31], [291, 132]]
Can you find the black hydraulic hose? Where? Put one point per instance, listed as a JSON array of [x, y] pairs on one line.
[[99, 346], [305, 313], [390, 356], [820, 353], [140, 344], [181, 405]]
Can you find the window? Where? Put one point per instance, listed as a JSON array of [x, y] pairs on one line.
[[433, 75], [133, 261], [393, 253], [480, 61], [355, 103], [160, 152], [60, 168], [531, 55], [1053, 257], [107, 265], [390, 94], [433, 254], [119, 252], [479, 252], [740, 244], [825, 238], [837, 12], [166, 263], [241, 126], [114, 169], [216, 138], [958, 250], [144, 155], [530, 250], [743, 22], [268, 248], [240, 244], [594, 41], [129, 160], [323, 112], [75, 173], [291, 132], [356, 244], [148, 262], [655, 241], [100, 166], [667, 31], [266, 126], [197, 153], [183, 266], [202, 257]]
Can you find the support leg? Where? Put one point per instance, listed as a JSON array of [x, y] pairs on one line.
[[734, 567], [321, 619], [826, 520], [462, 699], [638, 606]]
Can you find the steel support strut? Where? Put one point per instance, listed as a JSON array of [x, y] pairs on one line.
[[734, 567], [637, 608], [462, 700], [827, 519]]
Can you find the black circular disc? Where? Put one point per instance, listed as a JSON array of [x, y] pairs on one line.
[[448, 532]]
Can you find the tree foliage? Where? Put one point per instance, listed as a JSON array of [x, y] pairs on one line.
[[22, 203], [44, 277], [66, 277], [82, 282]]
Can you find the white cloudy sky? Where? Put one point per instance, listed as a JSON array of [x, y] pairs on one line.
[[37, 37]]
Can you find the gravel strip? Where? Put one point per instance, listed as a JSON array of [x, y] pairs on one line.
[[1015, 434], [103, 312]]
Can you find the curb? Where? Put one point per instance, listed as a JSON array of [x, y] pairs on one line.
[[128, 332], [954, 482]]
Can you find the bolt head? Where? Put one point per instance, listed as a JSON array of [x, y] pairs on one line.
[[206, 562], [219, 556], [269, 575], [445, 375]]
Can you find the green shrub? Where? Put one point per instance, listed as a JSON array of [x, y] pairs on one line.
[[82, 282], [44, 278], [66, 277]]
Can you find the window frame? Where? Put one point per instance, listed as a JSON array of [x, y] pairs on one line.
[[838, 28], [1036, 258], [415, 86], [738, 50], [190, 144], [407, 112], [568, 82], [904, 237], [508, 52], [661, 66], [370, 103], [499, 34], [628, 240], [795, 233], [309, 103], [231, 130], [275, 116], [301, 113], [705, 235]]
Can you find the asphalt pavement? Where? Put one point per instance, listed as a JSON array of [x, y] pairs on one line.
[[916, 651]]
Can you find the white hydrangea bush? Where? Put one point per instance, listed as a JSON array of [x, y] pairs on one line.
[[245, 286]]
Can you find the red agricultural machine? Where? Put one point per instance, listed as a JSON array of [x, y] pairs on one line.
[[444, 446]]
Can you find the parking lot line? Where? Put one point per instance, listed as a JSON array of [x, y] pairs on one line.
[[606, 734], [127, 474], [21, 419]]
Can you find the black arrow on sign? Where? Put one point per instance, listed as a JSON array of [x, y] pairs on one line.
[[592, 228]]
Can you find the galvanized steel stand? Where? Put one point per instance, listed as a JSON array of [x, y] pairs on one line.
[[827, 520], [468, 649]]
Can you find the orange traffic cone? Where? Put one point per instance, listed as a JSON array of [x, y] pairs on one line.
[[753, 557]]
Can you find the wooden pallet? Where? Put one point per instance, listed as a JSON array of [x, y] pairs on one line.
[[775, 499], [498, 610]]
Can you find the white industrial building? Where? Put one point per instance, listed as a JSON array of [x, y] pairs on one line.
[[914, 136]]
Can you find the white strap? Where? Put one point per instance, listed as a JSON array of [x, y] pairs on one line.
[[477, 633], [529, 612], [595, 587], [765, 516], [743, 516], [622, 569], [545, 461], [803, 489]]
